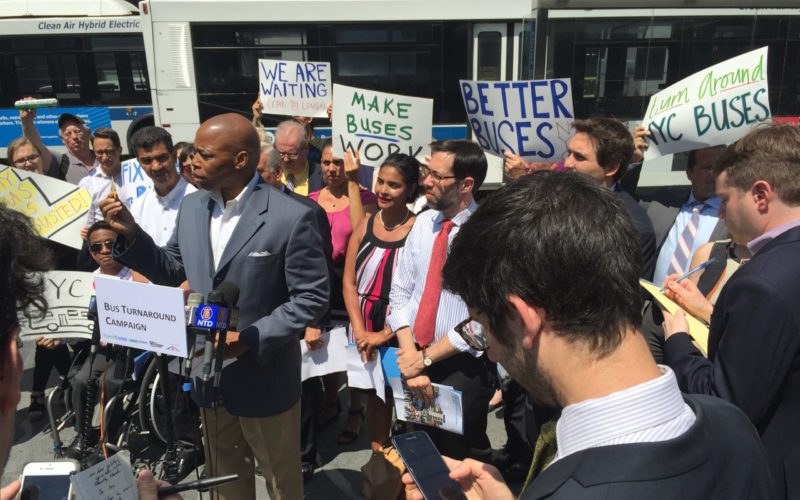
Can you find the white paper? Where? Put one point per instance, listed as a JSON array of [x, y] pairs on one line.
[[378, 124], [294, 88], [715, 106], [330, 358], [365, 375], [532, 119], [142, 316], [57, 208], [135, 182], [445, 413], [111, 479], [68, 294]]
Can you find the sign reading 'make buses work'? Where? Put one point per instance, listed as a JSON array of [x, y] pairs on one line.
[[57, 208]]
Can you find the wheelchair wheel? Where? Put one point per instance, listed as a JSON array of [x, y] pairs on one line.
[[151, 405]]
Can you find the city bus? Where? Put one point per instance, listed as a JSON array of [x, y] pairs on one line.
[[88, 55], [204, 55]]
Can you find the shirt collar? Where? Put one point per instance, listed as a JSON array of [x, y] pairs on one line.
[[460, 217], [300, 177], [74, 160], [596, 421], [757, 244], [176, 191], [123, 274], [713, 202], [241, 198]]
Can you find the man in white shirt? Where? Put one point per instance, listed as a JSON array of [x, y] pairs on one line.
[[108, 150], [156, 209], [549, 268], [423, 316]]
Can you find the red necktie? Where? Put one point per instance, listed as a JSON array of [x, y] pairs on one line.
[[425, 324]]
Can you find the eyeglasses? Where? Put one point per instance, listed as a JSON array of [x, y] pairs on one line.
[[288, 156], [147, 160], [30, 158], [472, 333], [338, 163], [96, 247], [105, 152], [435, 177]]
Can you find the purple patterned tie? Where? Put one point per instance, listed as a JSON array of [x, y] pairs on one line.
[[680, 259]]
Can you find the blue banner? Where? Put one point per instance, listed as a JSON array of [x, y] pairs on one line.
[[47, 123]]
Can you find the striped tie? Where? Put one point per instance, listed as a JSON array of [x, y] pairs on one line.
[[290, 182], [683, 251]]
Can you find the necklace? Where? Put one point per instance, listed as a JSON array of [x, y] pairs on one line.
[[392, 228]]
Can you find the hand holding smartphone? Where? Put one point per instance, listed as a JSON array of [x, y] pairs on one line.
[[427, 467], [47, 480]]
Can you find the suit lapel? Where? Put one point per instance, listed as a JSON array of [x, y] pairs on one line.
[[249, 223], [203, 235]]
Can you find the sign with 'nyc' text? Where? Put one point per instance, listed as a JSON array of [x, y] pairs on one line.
[[715, 106]]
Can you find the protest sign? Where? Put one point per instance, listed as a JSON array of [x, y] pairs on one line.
[[715, 106], [134, 182], [527, 118], [378, 124], [67, 294], [294, 88], [142, 316], [57, 208]]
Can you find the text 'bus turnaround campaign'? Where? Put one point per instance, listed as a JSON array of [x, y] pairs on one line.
[[531, 119], [715, 106]]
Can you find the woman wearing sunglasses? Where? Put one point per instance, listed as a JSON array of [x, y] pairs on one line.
[[371, 258], [345, 208]]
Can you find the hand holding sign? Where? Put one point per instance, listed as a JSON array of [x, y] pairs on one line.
[[352, 163]]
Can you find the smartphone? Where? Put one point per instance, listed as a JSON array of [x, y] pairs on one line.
[[427, 467], [47, 480]]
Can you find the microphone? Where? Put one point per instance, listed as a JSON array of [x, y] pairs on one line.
[[230, 296], [91, 314], [192, 306]]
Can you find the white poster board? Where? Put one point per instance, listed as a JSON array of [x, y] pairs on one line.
[[57, 208], [378, 124], [142, 316], [294, 88], [715, 106], [67, 294], [135, 181], [531, 119]]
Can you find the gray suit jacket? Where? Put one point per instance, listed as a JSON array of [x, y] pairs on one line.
[[275, 257]]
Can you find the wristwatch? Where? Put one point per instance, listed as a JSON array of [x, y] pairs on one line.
[[426, 360]]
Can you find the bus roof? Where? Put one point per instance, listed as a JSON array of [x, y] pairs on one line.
[[65, 8]]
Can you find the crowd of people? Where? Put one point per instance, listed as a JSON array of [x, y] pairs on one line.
[[532, 291]]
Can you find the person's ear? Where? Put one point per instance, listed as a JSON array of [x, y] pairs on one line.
[[762, 195], [531, 319], [241, 159], [467, 184], [611, 172]]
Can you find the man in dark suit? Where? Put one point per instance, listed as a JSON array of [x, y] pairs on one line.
[[300, 174], [552, 283], [754, 342], [239, 229], [601, 148], [681, 228]]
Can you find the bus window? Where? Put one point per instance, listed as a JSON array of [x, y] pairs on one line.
[[490, 55]]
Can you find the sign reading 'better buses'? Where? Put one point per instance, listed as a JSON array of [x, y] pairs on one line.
[[715, 106], [57, 208]]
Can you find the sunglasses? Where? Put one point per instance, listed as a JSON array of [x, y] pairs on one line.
[[472, 333], [96, 247]]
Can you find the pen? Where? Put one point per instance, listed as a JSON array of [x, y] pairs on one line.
[[692, 271], [113, 188], [201, 485]]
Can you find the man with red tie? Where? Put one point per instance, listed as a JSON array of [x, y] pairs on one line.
[[424, 316]]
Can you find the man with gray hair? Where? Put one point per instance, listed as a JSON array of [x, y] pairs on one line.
[[300, 175]]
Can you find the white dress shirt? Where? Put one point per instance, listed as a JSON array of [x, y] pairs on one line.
[[408, 281], [646, 413], [98, 184], [225, 216], [156, 214], [124, 274], [709, 217]]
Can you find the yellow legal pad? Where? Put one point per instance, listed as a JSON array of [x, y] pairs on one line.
[[697, 330]]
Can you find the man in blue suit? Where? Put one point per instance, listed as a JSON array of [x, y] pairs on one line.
[[754, 341], [241, 230]]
